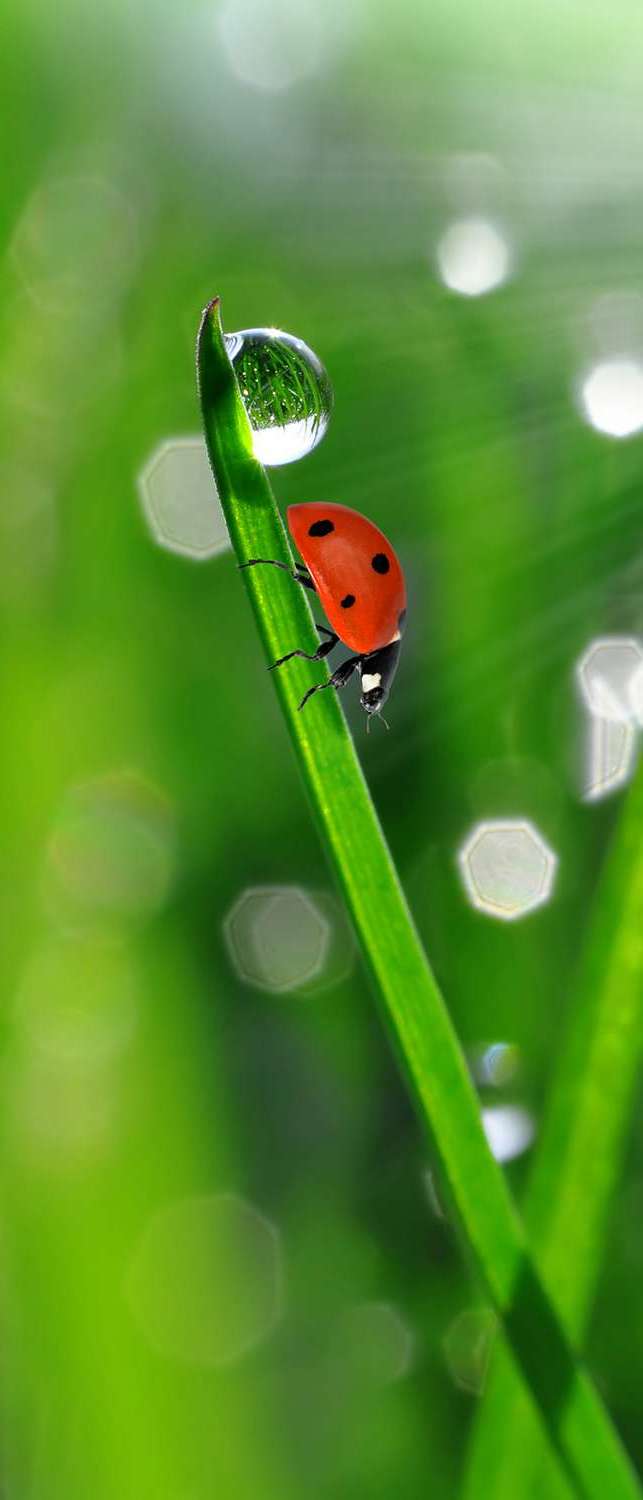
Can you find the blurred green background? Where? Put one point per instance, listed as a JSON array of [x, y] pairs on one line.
[[224, 1268]]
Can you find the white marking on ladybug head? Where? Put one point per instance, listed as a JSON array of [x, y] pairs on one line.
[[370, 681]]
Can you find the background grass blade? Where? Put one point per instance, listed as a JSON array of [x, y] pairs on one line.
[[578, 1161], [429, 1051]]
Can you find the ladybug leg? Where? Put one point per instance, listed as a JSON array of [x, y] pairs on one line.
[[299, 572], [338, 678], [318, 655]]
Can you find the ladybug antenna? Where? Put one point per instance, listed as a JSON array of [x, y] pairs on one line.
[[386, 726]]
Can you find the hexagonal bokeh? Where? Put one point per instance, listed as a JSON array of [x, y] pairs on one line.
[[111, 850], [609, 674], [180, 499], [467, 1346], [611, 747], [75, 242], [373, 1341], [507, 868], [606, 672], [206, 1280], [277, 937]]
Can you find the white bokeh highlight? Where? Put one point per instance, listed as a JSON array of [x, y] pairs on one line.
[[509, 1129], [180, 500], [272, 44], [473, 257], [610, 756], [205, 1285], [608, 675], [611, 397], [278, 938], [605, 674], [507, 868], [636, 695]]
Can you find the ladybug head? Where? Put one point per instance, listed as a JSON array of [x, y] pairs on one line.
[[378, 671], [372, 697]]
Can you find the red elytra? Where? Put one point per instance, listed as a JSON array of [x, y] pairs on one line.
[[356, 573]]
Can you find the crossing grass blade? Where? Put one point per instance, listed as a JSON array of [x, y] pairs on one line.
[[578, 1160], [430, 1056]]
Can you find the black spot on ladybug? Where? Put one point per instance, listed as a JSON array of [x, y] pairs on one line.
[[401, 620], [348, 601], [380, 562], [320, 528]]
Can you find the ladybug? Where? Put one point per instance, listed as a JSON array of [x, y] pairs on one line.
[[352, 567]]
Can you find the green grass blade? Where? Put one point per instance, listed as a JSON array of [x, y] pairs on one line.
[[429, 1051], [579, 1157]]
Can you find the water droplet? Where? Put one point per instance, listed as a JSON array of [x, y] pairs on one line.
[[286, 391]]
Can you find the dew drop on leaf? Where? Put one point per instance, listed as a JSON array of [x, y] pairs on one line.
[[286, 392]]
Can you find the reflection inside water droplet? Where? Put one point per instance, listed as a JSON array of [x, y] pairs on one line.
[[286, 391]]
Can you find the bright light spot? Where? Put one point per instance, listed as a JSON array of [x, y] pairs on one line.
[[509, 1130], [507, 868], [77, 1003], [473, 257], [612, 397], [373, 1340], [180, 499], [112, 849], [277, 937], [610, 756], [608, 675], [636, 695], [206, 1282], [75, 244], [497, 1065], [605, 673], [467, 1346], [272, 44]]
